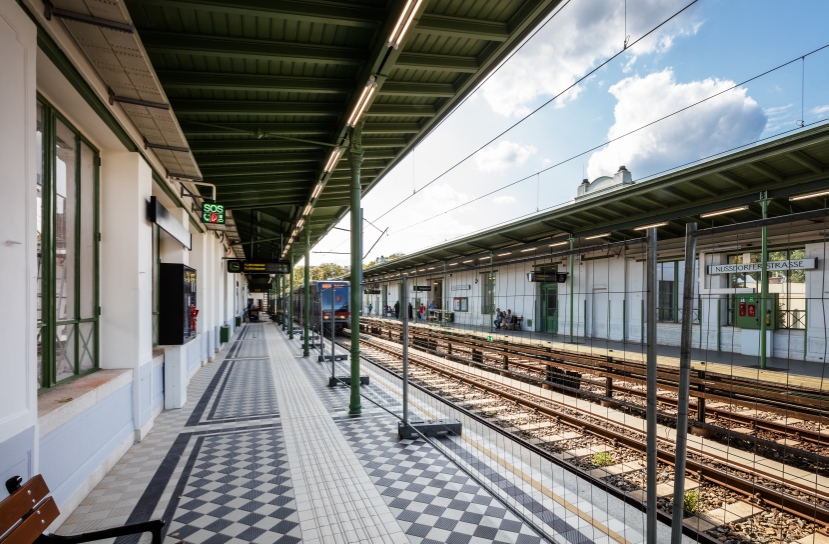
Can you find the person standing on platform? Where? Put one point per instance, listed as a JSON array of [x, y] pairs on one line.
[[410, 311], [422, 311], [397, 310], [498, 318], [370, 307], [432, 308]]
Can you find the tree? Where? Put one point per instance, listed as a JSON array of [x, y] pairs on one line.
[[326, 271]]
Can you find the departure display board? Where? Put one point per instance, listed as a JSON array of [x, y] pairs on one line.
[[213, 213], [258, 267]]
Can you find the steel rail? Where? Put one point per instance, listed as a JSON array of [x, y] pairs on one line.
[[783, 501]]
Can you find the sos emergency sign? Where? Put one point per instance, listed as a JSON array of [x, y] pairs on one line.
[[213, 213]]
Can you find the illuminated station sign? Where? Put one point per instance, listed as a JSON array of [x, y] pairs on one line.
[[235, 266], [213, 213]]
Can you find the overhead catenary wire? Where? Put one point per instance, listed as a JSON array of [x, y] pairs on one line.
[[542, 106]]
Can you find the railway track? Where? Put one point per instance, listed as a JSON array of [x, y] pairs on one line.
[[736, 502], [789, 423]]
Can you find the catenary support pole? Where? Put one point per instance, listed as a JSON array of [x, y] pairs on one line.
[[355, 161], [333, 332], [570, 266], [650, 306], [684, 383], [405, 341], [291, 299], [306, 318], [490, 290], [764, 280]]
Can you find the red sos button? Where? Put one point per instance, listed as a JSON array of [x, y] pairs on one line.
[[214, 218]]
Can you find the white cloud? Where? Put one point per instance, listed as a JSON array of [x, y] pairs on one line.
[[779, 117], [719, 124], [503, 155], [582, 35], [820, 110], [504, 200]]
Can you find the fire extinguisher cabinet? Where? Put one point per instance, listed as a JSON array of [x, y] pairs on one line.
[[177, 290], [749, 310]]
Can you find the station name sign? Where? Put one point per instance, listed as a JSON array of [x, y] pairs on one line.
[[422, 287], [466, 287], [235, 266], [771, 266], [212, 213]]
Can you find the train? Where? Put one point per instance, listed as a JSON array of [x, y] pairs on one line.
[[321, 295]]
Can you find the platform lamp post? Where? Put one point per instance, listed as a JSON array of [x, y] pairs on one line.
[[651, 374], [684, 384], [291, 298], [306, 318], [355, 161], [764, 278]]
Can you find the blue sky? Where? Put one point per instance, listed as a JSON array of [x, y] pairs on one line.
[[709, 47]]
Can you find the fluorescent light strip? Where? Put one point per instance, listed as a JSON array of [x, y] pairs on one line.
[[504, 254], [722, 212], [307, 210], [453, 264], [559, 244], [403, 23], [809, 195], [597, 236], [431, 268], [421, 270], [332, 160], [526, 250], [317, 191], [365, 98], [469, 261], [652, 226]]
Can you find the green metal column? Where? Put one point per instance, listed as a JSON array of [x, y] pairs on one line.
[[490, 300], [307, 302], [764, 278], [355, 161], [572, 276], [291, 298]]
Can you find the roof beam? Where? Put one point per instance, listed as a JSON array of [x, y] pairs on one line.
[[561, 227], [437, 63], [244, 107], [183, 79], [265, 179], [205, 146], [766, 171], [405, 88], [807, 161], [703, 187], [512, 238], [631, 206], [400, 110], [227, 171], [258, 158], [677, 193], [340, 14], [252, 49], [733, 180], [460, 27]]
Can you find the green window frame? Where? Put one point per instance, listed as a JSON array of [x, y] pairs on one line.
[[68, 234]]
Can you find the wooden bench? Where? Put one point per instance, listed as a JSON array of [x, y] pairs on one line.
[[28, 510]]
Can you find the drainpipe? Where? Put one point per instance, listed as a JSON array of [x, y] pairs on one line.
[[307, 302], [291, 299]]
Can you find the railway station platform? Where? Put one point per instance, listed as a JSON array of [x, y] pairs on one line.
[[778, 370], [265, 452]]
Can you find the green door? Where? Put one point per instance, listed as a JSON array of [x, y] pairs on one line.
[[549, 307]]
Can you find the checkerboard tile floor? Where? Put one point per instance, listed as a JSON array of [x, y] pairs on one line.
[[240, 490], [247, 390]]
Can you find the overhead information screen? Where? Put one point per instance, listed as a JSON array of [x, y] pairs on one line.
[[258, 267]]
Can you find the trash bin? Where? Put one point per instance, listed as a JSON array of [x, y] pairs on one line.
[[224, 334], [238, 321]]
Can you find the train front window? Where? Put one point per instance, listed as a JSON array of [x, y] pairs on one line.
[[340, 299]]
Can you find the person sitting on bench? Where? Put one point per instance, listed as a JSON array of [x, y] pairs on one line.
[[498, 318]]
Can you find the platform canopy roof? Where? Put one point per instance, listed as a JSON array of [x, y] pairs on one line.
[[263, 89], [787, 167]]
